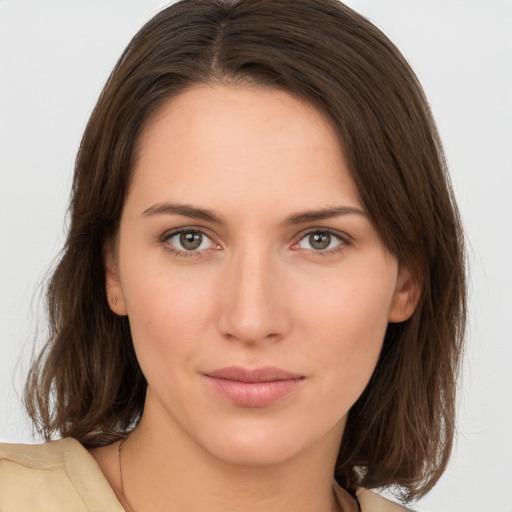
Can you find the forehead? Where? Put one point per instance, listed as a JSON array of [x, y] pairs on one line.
[[227, 115], [228, 142]]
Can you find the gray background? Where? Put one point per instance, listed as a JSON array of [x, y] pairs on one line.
[[55, 57]]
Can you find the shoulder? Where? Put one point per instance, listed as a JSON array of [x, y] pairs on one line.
[[372, 502], [47, 455], [57, 476]]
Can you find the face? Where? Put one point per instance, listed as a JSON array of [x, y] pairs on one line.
[[258, 291]]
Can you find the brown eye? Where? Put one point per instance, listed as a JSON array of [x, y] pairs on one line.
[[320, 241], [191, 240]]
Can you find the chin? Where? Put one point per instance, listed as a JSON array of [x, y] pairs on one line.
[[255, 454], [262, 445]]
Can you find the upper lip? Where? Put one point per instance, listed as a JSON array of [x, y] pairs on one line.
[[262, 374]]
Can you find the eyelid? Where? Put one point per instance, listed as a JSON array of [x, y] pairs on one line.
[[344, 238], [164, 239]]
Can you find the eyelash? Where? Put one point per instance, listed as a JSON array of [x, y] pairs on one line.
[[343, 239], [183, 253]]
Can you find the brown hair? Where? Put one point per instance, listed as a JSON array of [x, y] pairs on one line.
[[87, 383]]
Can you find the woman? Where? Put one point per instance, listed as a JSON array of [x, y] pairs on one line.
[[262, 286]]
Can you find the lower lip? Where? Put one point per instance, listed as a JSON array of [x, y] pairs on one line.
[[254, 394]]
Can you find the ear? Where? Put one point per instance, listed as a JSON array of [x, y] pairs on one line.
[[405, 297], [115, 296]]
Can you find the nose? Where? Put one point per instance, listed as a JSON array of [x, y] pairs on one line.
[[253, 308]]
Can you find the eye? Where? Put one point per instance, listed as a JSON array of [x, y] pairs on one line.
[[321, 241], [189, 240]]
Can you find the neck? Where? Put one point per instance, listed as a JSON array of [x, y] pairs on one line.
[[167, 465]]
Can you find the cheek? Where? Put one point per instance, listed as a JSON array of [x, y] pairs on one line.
[[167, 312], [347, 322]]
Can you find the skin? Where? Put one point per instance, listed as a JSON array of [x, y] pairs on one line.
[[257, 292]]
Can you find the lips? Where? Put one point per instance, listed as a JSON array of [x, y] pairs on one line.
[[258, 387]]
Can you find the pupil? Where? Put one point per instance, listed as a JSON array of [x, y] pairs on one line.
[[320, 241], [191, 240]]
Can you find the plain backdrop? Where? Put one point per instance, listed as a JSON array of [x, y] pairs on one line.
[[54, 59]]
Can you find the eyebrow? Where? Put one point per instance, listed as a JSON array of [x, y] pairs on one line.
[[323, 214], [210, 216], [185, 210]]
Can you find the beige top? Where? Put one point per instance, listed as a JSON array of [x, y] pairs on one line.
[[61, 476]]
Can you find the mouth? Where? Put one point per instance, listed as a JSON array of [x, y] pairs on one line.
[[258, 387]]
